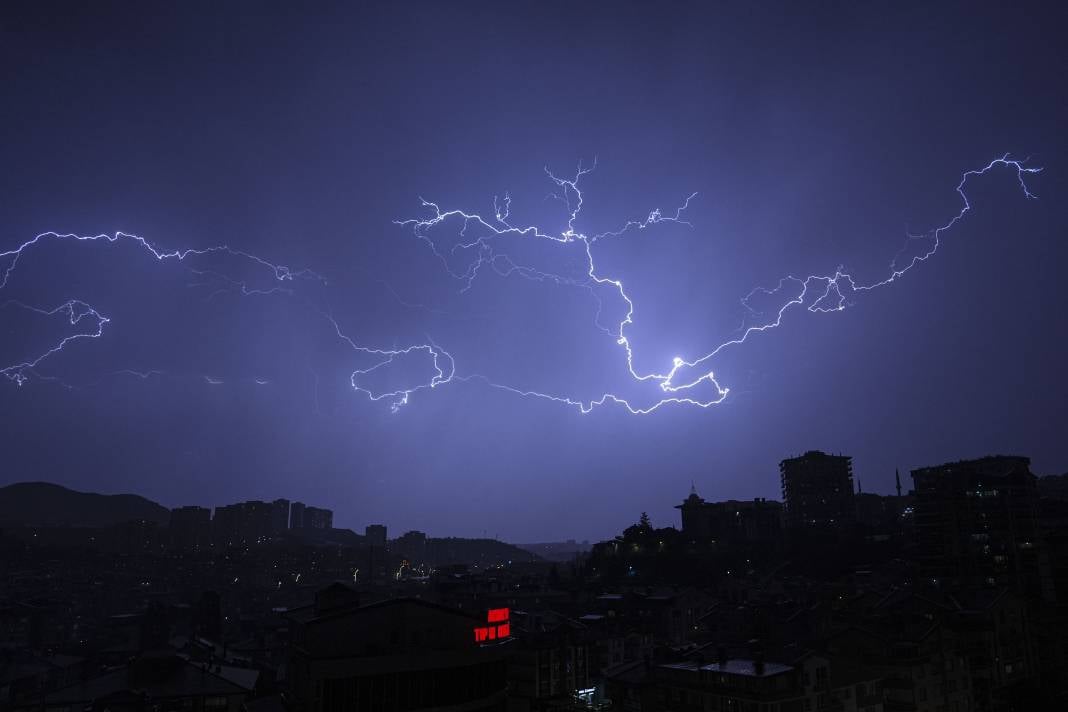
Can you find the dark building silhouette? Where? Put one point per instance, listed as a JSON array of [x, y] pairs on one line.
[[976, 523], [718, 682], [948, 597], [138, 536], [399, 654], [411, 546], [155, 627], [316, 518], [879, 513], [242, 523], [296, 515], [152, 681], [817, 490], [226, 525], [1053, 487], [279, 516], [190, 528], [207, 616], [256, 522], [376, 535], [921, 662], [696, 524], [377, 559], [550, 664], [758, 520]]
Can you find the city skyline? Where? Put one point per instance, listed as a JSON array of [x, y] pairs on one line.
[[281, 312], [843, 510], [949, 596]]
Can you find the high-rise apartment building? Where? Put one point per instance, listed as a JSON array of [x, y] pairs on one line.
[[817, 490]]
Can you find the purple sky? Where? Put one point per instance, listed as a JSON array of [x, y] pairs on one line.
[[814, 139]]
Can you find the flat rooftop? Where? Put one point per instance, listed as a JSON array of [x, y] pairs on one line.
[[733, 667]]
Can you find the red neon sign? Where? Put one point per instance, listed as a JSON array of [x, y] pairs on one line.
[[501, 629]]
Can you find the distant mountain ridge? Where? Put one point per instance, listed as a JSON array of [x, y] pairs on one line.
[[43, 504], [557, 550], [442, 551]]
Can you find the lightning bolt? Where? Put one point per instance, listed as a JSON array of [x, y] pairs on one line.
[[77, 311], [480, 247], [816, 293]]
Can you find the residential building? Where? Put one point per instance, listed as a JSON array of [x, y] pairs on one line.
[[399, 654], [817, 490]]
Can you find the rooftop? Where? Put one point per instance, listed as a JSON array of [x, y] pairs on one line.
[[991, 465], [733, 667]]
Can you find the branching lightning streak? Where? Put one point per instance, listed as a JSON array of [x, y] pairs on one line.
[[815, 293], [478, 246], [76, 311], [443, 365]]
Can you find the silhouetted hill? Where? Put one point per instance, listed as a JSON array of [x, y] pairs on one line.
[[43, 504], [481, 552], [557, 550]]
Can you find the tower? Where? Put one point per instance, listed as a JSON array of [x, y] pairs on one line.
[[695, 521], [817, 489]]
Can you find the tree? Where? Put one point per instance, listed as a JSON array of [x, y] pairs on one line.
[[644, 522]]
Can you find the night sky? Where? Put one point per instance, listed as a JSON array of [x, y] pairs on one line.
[[814, 138]]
